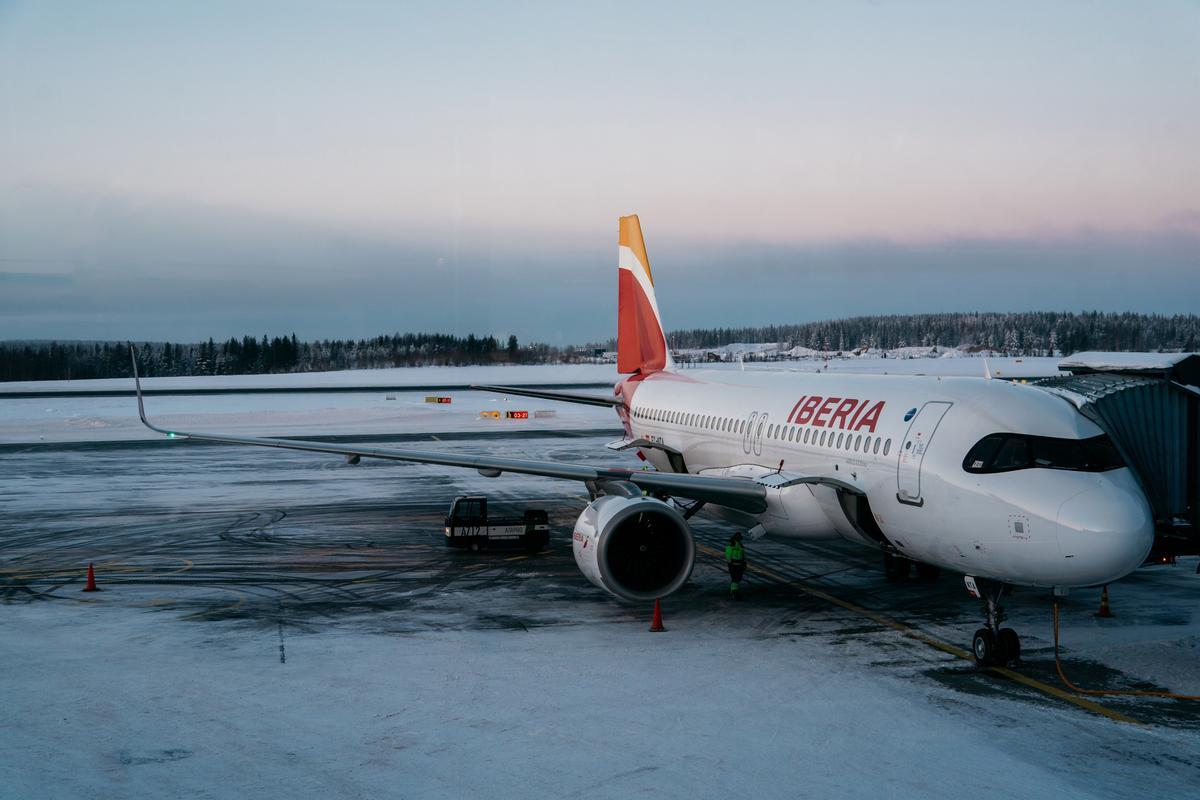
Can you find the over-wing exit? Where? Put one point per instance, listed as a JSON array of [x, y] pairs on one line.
[[1005, 483]]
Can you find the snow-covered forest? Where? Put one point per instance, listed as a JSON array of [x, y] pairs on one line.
[[1028, 333]]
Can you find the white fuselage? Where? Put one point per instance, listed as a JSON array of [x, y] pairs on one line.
[[902, 443]]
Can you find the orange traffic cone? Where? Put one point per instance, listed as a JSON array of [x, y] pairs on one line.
[[656, 625], [1104, 611], [91, 582]]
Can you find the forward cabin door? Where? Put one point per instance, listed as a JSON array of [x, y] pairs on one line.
[[912, 452]]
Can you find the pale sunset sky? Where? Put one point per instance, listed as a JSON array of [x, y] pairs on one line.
[[185, 170]]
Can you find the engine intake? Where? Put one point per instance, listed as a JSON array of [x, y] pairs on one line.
[[637, 548]]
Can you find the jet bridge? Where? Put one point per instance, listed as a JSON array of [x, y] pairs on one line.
[[1149, 405]]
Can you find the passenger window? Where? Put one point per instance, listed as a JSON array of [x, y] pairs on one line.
[[823, 434], [867, 445], [887, 446], [807, 431], [876, 450], [857, 443], [840, 435]]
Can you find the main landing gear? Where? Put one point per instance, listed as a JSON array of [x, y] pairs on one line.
[[897, 568], [993, 645]]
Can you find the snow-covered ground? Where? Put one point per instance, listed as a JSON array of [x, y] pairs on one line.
[[84, 418], [419, 376], [127, 703], [95, 419], [410, 673]]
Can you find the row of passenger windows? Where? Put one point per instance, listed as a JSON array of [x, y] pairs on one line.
[[855, 442]]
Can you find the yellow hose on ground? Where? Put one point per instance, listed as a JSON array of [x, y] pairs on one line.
[[1109, 692]]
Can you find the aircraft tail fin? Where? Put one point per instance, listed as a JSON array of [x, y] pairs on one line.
[[641, 343]]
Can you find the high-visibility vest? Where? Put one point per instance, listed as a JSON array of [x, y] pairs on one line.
[[735, 552]]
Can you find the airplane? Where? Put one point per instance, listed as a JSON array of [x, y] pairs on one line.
[[1001, 482]]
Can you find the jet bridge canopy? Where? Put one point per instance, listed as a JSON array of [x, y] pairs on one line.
[[1149, 404]]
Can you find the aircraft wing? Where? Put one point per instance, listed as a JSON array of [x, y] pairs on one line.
[[543, 394], [736, 493]]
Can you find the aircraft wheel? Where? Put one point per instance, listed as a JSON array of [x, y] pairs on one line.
[[1008, 646], [983, 646]]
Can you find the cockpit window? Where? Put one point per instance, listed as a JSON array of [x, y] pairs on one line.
[[1004, 452]]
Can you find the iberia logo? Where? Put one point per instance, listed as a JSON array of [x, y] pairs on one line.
[[847, 413]]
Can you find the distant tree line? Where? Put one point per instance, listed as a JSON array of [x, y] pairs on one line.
[[1029, 333], [36, 361]]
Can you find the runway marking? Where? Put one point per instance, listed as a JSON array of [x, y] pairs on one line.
[[436, 439], [516, 558], [926, 639]]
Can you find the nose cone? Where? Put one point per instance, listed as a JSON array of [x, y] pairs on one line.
[[1104, 533]]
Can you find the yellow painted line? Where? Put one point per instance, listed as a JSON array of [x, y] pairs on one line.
[[936, 644], [187, 565], [157, 601], [474, 566], [516, 558], [436, 439]]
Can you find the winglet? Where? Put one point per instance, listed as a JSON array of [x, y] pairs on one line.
[[987, 371], [137, 385]]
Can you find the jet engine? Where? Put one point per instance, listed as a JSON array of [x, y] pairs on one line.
[[637, 548]]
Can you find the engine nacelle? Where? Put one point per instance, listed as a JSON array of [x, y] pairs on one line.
[[637, 548]]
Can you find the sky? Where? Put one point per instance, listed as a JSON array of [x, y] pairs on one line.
[[179, 171]]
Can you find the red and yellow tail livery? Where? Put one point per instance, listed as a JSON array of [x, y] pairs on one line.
[[641, 343]]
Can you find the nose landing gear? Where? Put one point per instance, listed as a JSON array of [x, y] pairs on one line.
[[993, 645]]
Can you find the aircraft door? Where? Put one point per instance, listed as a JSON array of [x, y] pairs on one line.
[[912, 452], [748, 436], [758, 434]]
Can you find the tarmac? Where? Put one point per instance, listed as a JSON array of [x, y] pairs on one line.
[[296, 552]]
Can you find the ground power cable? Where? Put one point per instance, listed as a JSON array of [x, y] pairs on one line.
[[1107, 692]]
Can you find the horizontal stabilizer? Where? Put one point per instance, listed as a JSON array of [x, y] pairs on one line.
[[544, 394]]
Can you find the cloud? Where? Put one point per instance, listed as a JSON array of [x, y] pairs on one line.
[[1188, 220], [134, 268]]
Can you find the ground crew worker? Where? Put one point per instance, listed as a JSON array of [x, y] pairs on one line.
[[735, 556]]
